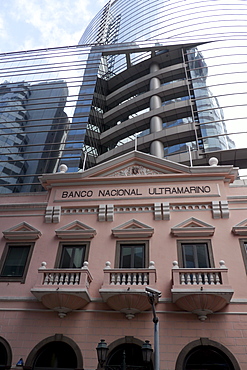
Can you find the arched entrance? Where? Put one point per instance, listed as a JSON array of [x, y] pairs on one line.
[[205, 354], [126, 354], [56, 352], [5, 354]]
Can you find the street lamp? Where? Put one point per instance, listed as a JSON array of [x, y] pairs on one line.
[[102, 350], [147, 352], [153, 297]]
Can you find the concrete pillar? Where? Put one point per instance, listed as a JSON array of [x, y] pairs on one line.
[[155, 124], [156, 147], [154, 83], [155, 102]]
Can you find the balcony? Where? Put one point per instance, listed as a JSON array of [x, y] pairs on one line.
[[124, 290], [63, 290], [201, 291]]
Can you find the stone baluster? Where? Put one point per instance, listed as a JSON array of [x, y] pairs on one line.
[[129, 279], [182, 279], [123, 279], [211, 278], [113, 279], [77, 278], [72, 279], [46, 279], [205, 279], [217, 278], [188, 279], [66, 279], [61, 278], [145, 279]]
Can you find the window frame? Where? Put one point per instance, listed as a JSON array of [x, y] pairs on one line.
[[244, 251], [7, 247], [180, 243], [74, 244], [119, 243]]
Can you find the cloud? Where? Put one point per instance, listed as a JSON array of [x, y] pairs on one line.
[[52, 23], [3, 32]]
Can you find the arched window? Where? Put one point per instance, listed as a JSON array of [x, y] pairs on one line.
[[126, 356], [56, 352]]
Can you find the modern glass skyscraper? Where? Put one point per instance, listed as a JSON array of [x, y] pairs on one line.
[[152, 83], [26, 149], [165, 77]]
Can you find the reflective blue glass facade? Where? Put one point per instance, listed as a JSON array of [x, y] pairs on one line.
[[185, 102]]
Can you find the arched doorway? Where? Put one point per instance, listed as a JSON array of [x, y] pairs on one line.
[[5, 354], [55, 353], [205, 354], [207, 358], [126, 354]]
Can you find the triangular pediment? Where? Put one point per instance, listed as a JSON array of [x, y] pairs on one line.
[[75, 230], [193, 227], [240, 228], [136, 164], [133, 229], [22, 231]]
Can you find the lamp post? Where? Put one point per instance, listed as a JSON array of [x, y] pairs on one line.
[[153, 297]]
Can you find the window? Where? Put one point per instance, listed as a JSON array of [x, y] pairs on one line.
[[243, 244], [132, 255], [15, 261], [72, 255], [193, 254]]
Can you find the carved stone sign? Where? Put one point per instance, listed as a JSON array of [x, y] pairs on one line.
[[166, 191]]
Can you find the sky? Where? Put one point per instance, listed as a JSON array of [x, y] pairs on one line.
[[34, 24]]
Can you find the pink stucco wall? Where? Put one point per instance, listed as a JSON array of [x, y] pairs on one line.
[[24, 321]]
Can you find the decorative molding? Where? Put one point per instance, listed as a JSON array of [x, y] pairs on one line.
[[240, 228], [133, 229], [79, 210], [52, 214], [102, 212], [191, 207], [22, 231], [75, 230], [106, 212], [109, 212], [193, 227], [135, 170], [133, 209], [216, 209], [162, 211], [220, 209], [224, 209]]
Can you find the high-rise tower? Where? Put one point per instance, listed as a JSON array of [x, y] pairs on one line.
[[151, 79]]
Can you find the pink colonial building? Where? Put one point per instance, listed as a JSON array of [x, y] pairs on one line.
[[100, 256]]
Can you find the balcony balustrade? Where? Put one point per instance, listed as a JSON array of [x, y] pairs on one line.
[[201, 290], [124, 290], [63, 290]]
